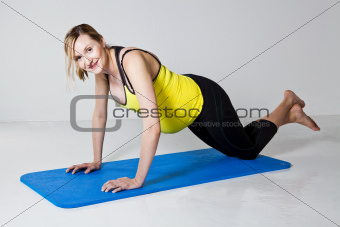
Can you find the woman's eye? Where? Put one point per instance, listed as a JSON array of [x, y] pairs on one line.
[[88, 49]]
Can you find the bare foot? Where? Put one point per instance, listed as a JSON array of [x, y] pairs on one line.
[[296, 115], [290, 96]]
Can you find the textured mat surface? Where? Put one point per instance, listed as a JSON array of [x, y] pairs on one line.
[[168, 171]]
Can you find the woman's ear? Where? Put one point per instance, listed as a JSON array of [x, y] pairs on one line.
[[103, 42]]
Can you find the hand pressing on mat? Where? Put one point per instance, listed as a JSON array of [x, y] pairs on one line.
[[92, 166], [121, 184]]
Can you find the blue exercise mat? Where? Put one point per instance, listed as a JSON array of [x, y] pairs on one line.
[[168, 171]]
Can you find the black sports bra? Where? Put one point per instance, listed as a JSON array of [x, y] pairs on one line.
[[122, 71]]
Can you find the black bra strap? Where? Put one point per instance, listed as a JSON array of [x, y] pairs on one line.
[[141, 50], [117, 51], [123, 66]]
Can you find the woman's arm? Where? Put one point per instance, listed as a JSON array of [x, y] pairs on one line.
[[99, 117], [98, 121], [138, 71], [98, 138], [150, 140]]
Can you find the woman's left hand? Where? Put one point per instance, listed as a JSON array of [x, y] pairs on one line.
[[120, 184]]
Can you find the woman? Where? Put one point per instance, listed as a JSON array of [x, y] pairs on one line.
[[167, 102]]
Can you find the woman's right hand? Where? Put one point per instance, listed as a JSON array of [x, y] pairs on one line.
[[92, 166]]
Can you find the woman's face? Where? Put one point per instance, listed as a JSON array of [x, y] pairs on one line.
[[90, 55]]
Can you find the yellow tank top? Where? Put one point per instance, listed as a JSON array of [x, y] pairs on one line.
[[179, 98]]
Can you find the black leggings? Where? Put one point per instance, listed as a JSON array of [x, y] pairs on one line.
[[219, 126]]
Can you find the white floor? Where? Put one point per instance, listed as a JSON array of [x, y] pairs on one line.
[[307, 194]]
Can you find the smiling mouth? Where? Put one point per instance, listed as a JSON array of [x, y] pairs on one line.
[[94, 65]]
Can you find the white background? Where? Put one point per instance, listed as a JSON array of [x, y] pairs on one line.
[[208, 38]]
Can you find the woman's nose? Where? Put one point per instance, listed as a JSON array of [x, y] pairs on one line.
[[87, 61]]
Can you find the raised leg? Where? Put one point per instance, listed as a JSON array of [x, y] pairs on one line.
[[290, 111]]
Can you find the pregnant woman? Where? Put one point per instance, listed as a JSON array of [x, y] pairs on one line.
[[167, 102]]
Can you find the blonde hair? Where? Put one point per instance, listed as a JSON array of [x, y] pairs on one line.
[[69, 40]]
